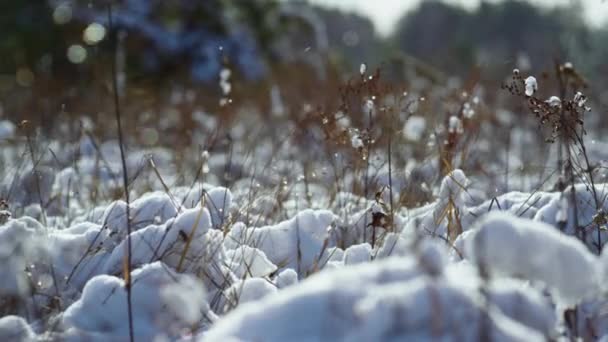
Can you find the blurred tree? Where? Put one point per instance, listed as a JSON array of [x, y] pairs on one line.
[[28, 34], [158, 35], [497, 34], [352, 38]]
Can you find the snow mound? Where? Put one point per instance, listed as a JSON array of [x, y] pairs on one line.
[[15, 329], [165, 304], [17, 249], [219, 202], [505, 244], [187, 232], [7, 130], [249, 290], [390, 300], [249, 261], [296, 243]]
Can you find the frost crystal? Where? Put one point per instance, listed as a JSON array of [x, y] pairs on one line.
[[531, 86]]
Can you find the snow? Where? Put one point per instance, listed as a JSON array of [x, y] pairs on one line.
[[357, 142], [531, 85], [15, 328], [467, 110], [153, 207], [164, 304], [249, 261], [271, 232], [455, 125], [358, 254], [580, 99], [286, 277], [565, 265], [219, 203], [254, 254], [167, 241], [295, 243], [554, 101], [201, 272], [249, 290], [368, 106], [16, 247], [414, 128], [519, 302], [387, 300], [7, 130], [362, 69]]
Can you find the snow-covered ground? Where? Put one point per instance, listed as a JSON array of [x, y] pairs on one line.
[[272, 237]]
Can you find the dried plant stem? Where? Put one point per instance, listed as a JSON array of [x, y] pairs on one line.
[[190, 237], [390, 179], [125, 176]]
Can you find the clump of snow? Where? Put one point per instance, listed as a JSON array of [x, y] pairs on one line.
[[219, 202], [34, 186], [286, 277], [414, 128], [167, 241], [16, 249], [7, 130], [453, 185], [225, 86], [114, 218], [505, 244], [356, 141], [358, 254], [15, 329], [5, 215], [455, 125], [369, 106], [393, 245], [520, 302], [432, 256], [531, 85], [580, 99], [554, 101], [249, 290], [295, 243], [153, 207], [557, 207], [467, 110], [247, 261], [165, 304]]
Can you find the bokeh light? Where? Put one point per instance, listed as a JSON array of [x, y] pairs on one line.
[[62, 14], [94, 33], [24, 77], [77, 54]]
